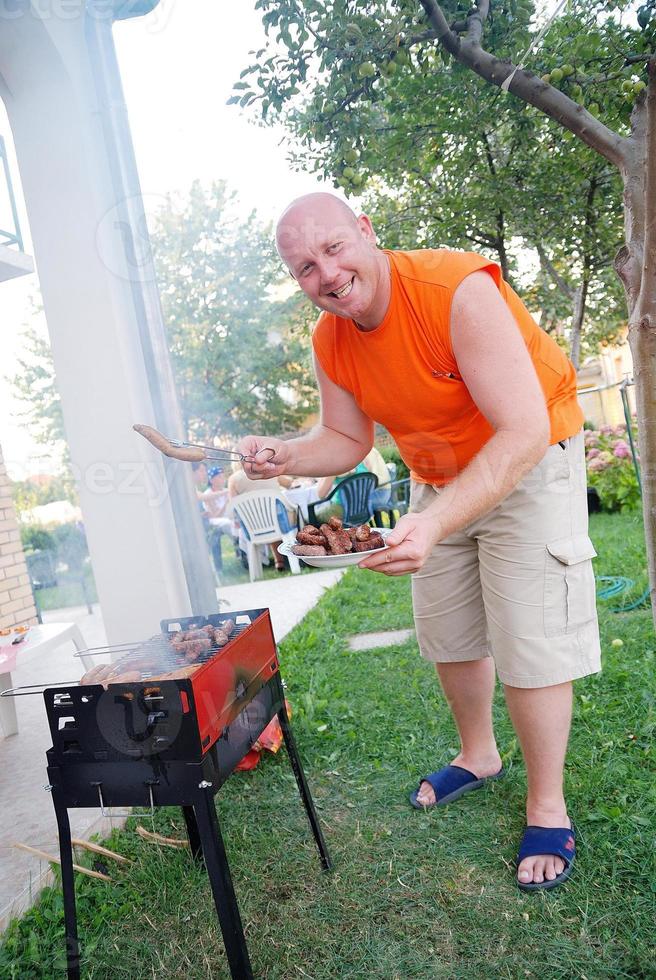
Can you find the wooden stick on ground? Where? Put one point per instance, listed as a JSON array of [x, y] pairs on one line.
[[55, 860], [154, 838], [97, 849]]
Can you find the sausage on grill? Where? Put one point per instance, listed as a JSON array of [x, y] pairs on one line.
[[192, 649], [96, 674], [110, 674], [184, 635], [128, 677]]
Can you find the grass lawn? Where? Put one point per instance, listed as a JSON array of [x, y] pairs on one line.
[[412, 895], [69, 591]]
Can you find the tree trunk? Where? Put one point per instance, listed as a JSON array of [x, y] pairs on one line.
[[581, 296], [578, 315], [636, 266]]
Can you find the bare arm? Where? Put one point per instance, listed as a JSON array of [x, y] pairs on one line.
[[324, 486], [498, 371], [342, 438]]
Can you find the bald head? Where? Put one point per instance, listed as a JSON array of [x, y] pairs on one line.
[[310, 217]]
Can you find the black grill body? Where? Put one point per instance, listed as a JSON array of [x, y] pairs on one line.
[[140, 745]]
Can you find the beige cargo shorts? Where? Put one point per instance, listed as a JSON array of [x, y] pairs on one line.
[[516, 584]]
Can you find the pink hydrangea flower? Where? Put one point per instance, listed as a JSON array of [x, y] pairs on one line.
[[606, 430], [592, 453], [606, 456], [621, 450], [597, 464]]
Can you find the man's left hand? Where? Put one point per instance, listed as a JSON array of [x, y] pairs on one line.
[[409, 545]]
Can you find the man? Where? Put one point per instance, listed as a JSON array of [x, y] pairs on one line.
[[482, 405]]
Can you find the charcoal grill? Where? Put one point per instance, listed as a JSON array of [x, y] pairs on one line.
[[171, 743]]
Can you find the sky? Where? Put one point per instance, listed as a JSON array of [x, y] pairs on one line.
[[178, 65]]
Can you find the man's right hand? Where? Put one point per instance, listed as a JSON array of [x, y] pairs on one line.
[[260, 465]]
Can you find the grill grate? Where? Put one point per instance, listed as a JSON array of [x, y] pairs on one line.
[[156, 656]]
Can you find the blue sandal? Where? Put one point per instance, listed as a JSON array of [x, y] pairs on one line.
[[449, 783], [560, 841]]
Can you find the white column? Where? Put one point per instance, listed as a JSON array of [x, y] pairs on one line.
[[84, 276]]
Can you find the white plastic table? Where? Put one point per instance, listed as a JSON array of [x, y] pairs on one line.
[[300, 497], [46, 637]]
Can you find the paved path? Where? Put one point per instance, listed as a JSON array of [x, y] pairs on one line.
[[288, 598], [26, 812]]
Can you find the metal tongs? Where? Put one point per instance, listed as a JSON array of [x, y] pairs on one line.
[[227, 455], [193, 452]]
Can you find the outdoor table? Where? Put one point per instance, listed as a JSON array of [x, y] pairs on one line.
[[300, 497], [43, 638]]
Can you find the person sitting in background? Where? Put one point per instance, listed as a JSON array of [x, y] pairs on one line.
[[328, 483], [215, 500], [374, 463], [240, 483], [201, 482], [209, 498], [382, 495]]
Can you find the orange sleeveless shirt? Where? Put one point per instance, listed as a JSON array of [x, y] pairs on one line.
[[404, 373]]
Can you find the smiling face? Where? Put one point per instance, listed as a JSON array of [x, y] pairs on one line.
[[334, 258]]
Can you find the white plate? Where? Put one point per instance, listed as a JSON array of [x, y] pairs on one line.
[[334, 561]]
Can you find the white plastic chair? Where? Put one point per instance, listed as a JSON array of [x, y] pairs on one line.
[[258, 513]]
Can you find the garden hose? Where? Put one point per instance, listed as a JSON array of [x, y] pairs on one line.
[[610, 586]]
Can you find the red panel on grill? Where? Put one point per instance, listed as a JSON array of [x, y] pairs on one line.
[[232, 676]]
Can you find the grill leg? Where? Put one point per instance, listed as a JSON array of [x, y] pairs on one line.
[[192, 832], [223, 891], [68, 887], [301, 781]]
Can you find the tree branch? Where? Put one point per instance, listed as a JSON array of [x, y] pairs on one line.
[[501, 246], [419, 38], [565, 288], [443, 33], [527, 86], [475, 21], [484, 241], [488, 154]]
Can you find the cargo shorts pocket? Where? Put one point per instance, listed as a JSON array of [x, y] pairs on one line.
[[422, 495], [569, 585]]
